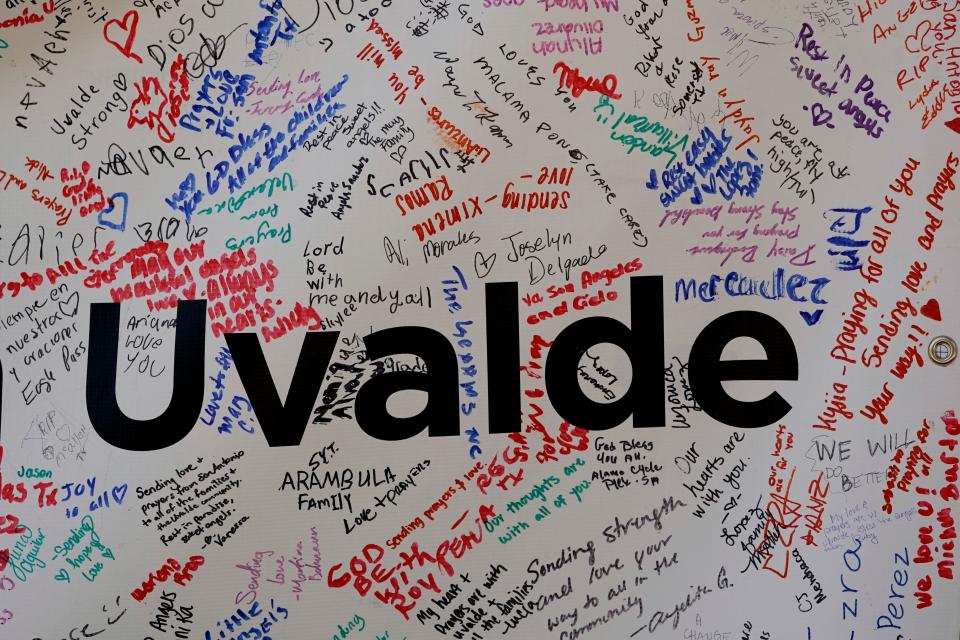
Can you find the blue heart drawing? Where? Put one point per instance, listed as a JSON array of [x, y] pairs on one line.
[[811, 318], [119, 493], [110, 207]]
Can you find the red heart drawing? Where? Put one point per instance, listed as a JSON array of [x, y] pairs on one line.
[[131, 32], [931, 309], [953, 125], [4, 558]]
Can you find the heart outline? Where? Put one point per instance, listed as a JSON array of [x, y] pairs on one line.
[[917, 38], [73, 296], [127, 48], [123, 494], [109, 209], [62, 575], [480, 259]]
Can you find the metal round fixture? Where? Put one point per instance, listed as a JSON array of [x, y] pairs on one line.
[[942, 350]]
